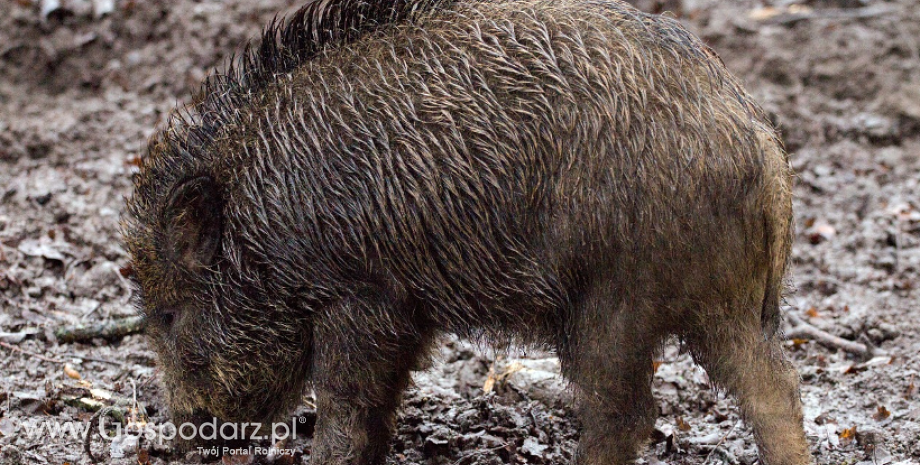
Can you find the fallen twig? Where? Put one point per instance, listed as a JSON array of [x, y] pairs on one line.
[[32, 354], [88, 438], [801, 330], [107, 330], [83, 403], [54, 360], [721, 441], [92, 359], [838, 14]]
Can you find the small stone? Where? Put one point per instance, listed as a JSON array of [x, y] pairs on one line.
[[533, 448]]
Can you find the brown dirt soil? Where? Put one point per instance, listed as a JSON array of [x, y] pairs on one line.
[[80, 94]]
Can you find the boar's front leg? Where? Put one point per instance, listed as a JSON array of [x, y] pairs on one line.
[[608, 355], [362, 358]]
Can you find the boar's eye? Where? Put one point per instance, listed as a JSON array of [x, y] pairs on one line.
[[165, 317], [193, 223]]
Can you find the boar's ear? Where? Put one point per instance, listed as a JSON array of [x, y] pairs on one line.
[[193, 223]]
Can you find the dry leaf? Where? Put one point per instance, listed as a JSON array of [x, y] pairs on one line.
[[881, 413], [100, 394], [853, 369], [682, 425], [489, 384], [71, 373], [797, 9], [495, 377], [848, 434], [143, 457], [762, 14], [768, 12], [821, 232]]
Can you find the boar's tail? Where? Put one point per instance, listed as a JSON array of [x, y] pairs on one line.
[[778, 225]]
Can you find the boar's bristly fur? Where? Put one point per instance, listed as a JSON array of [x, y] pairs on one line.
[[571, 174]]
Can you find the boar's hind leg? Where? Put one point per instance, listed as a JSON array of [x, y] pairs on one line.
[[359, 374], [748, 361], [608, 358]]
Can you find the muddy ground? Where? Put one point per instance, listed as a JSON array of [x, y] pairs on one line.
[[80, 92]]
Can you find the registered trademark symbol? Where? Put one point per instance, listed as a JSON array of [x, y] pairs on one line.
[[301, 419]]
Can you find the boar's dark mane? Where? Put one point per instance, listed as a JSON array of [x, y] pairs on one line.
[[288, 43]]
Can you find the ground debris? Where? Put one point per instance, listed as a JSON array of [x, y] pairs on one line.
[[108, 330], [80, 93], [799, 329]]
